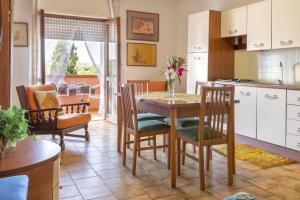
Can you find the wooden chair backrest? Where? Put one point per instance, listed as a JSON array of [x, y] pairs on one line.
[[200, 84], [216, 103], [141, 86], [128, 106]]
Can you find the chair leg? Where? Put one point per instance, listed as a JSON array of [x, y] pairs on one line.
[[229, 164], [62, 142], [208, 157], [194, 148], [178, 155], [135, 151], [184, 150], [128, 140], [154, 148], [139, 146], [87, 135], [169, 150], [124, 148], [201, 168], [164, 143]]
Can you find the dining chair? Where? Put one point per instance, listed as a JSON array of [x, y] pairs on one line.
[[142, 87], [216, 102], [140, 130]]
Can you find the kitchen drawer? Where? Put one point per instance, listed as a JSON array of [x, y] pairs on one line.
[[293, 142], [293, 112], [293, 97], [293, 127]]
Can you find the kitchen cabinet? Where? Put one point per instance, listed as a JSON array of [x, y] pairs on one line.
[[198, 28], [197, 70], [259, 26], [293, 142], [285, 23], [271, 115], [209, 56], [234, 22], [245, 111], [293, 97]]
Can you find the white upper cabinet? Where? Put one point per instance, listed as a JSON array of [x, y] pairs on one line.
[[259, 25], [198, 32], [285, 23], [234, 22]]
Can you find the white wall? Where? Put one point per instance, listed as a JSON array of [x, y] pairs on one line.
[[91, 8], [165, 46], [21, 56]]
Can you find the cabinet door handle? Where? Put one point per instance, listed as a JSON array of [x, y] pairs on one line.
[[246, 94], [232, 32], [286, 43], [259, 45], [274, 97]]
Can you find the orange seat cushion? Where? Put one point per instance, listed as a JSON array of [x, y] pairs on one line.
[[73, 119]]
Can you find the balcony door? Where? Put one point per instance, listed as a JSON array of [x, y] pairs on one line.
[[112, 80]]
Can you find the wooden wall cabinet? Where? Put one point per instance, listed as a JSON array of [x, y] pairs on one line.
[[271, 115], [234, 22], [245, 111], [285, 24], [259, 26]]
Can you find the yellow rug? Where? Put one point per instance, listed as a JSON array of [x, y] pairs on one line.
[[257, 156]]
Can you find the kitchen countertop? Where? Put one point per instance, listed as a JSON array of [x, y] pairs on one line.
[[263, 85]]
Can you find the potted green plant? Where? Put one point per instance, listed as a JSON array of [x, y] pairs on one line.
[[13, 127]]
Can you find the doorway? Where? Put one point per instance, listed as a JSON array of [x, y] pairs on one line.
[[80, 56]]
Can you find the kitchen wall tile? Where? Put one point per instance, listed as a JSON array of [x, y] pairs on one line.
[[269, 65]]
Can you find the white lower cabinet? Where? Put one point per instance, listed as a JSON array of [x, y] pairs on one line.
[[271, 115], [293, 142], [245, 111]]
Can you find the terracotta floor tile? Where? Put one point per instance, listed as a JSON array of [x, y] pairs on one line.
[[89, 182], [94, 192], [68, 191]]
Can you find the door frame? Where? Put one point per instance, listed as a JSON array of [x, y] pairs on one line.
[[5, 53], [107, 117]]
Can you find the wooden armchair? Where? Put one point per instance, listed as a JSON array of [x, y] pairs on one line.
[[59, 121]]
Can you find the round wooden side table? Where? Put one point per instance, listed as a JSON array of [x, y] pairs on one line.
[[39, 160]]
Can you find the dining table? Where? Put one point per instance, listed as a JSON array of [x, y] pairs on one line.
[[174, 106]]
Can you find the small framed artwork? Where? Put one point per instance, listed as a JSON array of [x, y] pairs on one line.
[[142, 26], [141, 54], [20, 34]]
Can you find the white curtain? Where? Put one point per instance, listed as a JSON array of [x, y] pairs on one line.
[[114, 8]]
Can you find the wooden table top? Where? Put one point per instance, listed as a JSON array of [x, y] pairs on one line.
[[28, 154], [178, 100]]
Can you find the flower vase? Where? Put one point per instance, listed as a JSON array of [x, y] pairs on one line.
[[3, 144], [171, 88]]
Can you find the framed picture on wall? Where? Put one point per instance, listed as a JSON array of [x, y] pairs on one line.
[[141, 54], [142, 26], [20, 34]]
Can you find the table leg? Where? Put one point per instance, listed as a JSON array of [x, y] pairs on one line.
[[119, 127], [173, 116]]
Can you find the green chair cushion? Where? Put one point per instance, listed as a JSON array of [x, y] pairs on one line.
[[192, 133], [185, 122], [148, 116], [151, 125]]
